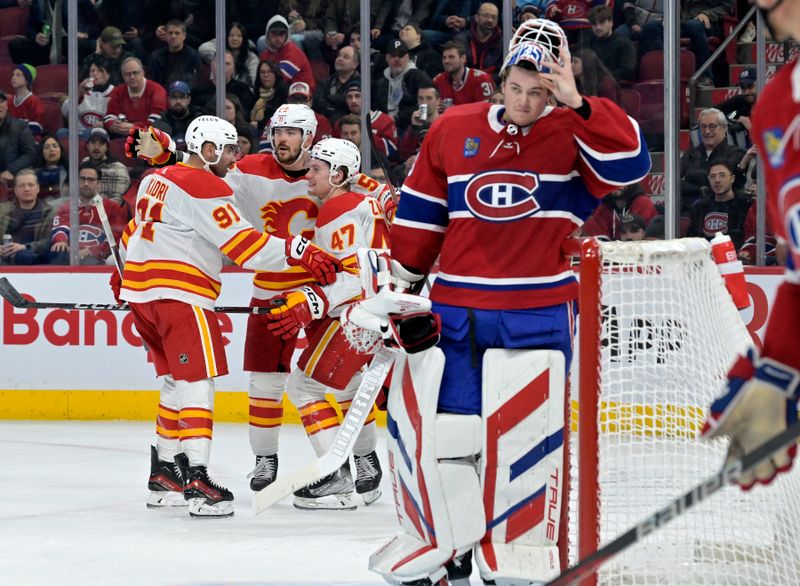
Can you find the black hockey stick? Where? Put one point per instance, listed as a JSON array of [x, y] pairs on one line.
[[729, 474], [15, 298]]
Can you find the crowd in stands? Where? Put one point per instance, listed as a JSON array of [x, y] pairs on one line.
[[154, 62]]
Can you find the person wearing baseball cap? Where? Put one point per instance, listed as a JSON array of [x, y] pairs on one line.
[[739, 106], [300, 93], [24, 105], [632, 227], [180, 111], [111, 49], [395, 92]]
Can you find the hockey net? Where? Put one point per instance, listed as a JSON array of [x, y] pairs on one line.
[[658, 332]]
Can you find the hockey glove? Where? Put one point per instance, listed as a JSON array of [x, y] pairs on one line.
[[151, 144], [116, 284], [298, 310], [760, 402], [322, 266]]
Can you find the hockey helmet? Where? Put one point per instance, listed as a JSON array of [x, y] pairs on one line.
[[293, 116], [543, 32], [338, 153], [211, 129]]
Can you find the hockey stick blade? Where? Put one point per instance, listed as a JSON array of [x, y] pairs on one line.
[[700, 492], [343, 442]]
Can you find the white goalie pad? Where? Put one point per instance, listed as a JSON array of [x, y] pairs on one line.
[[434, 476], [522, 465]]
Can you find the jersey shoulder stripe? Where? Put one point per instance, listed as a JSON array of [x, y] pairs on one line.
[[197, 183], [339, 206]]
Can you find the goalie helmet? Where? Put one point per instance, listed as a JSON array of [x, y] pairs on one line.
[[339, 153], [544, 33], [527, 52], [211, 129], [294, 116]]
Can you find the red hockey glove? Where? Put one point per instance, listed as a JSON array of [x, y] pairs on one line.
[[151, 144], [322, 266], [298, 310], [116, 284]]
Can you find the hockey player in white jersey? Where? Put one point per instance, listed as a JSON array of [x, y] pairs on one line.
[[185, 220], [347, 221]]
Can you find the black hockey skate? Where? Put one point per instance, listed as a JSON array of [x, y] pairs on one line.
[[264, 473], [459, 569], [165, 483], [334, 492], [207, 498], [368, 477]]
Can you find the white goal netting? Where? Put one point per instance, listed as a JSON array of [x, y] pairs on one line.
[[669, 332]]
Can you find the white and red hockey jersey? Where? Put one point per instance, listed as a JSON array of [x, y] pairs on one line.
[[475, 86], [184, 218]]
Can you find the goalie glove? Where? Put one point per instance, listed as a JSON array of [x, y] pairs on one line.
[[151, 144], [299, 308], [760, 402], [322, 266]]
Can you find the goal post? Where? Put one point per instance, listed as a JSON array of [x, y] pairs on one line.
[[657, 333]]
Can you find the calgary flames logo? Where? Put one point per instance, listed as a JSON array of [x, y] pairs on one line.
[[290, 218]]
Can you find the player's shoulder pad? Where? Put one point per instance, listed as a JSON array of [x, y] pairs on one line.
[[339, 206], [197, 183]]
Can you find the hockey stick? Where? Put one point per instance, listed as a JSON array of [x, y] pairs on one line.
[[729, 473], [97, 202], [15, 298], [343, 442]]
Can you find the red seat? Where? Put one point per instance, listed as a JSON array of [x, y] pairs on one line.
[[117, 149], [13, 20], [320, 70], [51, 79], [52, 119], [5, 77], [6, 194], [651, 110], [631, 102], [651, 66]]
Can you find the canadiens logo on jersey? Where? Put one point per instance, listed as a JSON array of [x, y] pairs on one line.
[[502, 196], [715, 222], [471, 146], [290, 218], [91, 238]]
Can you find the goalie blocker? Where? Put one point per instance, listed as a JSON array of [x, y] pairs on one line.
[[490, 483]]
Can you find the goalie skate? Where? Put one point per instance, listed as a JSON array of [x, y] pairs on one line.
[[165, 484], [264, 473], [206, 498], [332, 493], [368, 477]]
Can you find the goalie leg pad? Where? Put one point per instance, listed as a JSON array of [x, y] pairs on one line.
[[522, 465], [196, 419], [265, 395], [434, 475]]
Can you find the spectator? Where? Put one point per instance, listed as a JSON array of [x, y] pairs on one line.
[[459, 84], [695, 162], [17, 148], [248, 143], [632, 228], [592, 77], [655, 230], [449, 17], [643, 24], [723, 209], [616, 52], [392, 16], [179, 113], [421, 120], [300, 93], [350, 129], [26, 106], [28, 220], [484, 40], [52, 169], [176, 61], [94, 247], [245, 61], [292, 62], [342, 19], [111, 50], [606, 219], [204, 94], [739, 106], [114, 177], [94, 95], [329, 98], [496, 97], [420, 52], [383, 127], [232, 110], [137, 101], [573, 17], [395, 91], [305, 26], [270, 92]]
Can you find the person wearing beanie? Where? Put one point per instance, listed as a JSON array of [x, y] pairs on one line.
[[25, 105]]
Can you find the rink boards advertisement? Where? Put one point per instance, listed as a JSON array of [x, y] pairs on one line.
[[59, 364]]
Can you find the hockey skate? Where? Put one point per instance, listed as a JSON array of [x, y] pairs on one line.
[[368, 477], [334, 493], [165, 484], [206, 498], [264, 473]]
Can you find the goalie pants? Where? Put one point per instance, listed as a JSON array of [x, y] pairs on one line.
[[467, 334]]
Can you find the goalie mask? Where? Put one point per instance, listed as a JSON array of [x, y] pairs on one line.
[[211, 129], [545, 33], [530, 53], [339, 153]]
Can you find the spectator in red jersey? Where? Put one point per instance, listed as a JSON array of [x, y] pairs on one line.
[[421, 120], [94, 247], [484, 40], [383, 127], [25, 105], [138, 101], [606, 220], [459, 84], [291, 60]]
